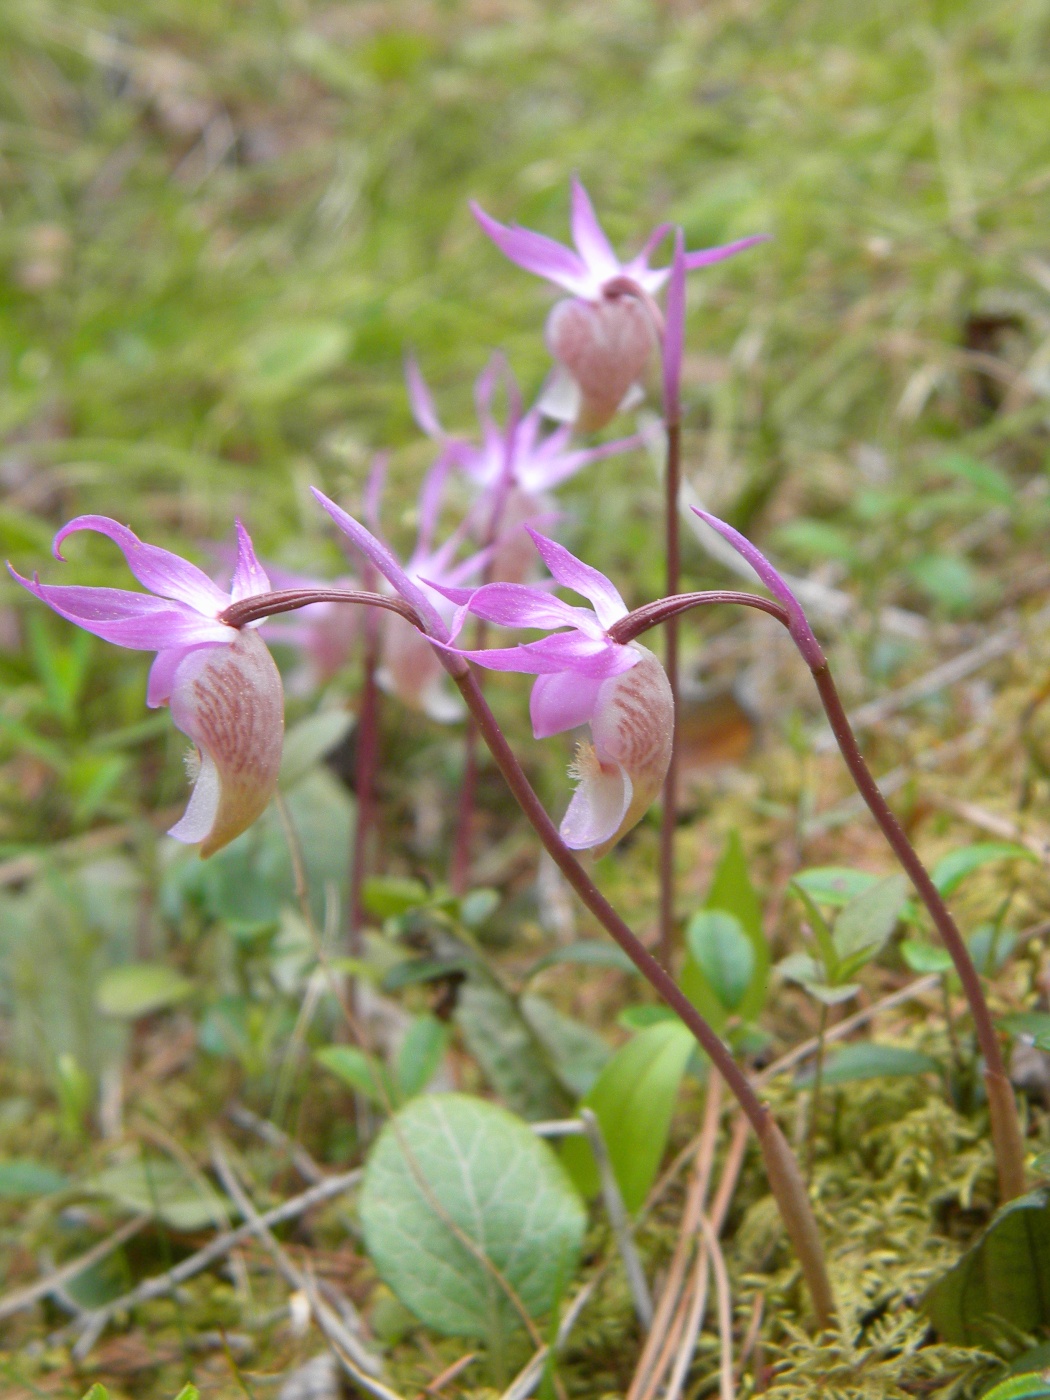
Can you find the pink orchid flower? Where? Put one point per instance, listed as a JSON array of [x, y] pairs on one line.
[[221, 682], [409, 667], [583, 676], [514, 466], [603, 335]]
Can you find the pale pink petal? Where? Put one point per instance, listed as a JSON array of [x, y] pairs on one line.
[[706, 256], [774, 581], [561, 701], [421, 400], [136, 620], [581, 578], [162, 572], [387, 564], [249, 576], [229, 701], [604, 346], [538, 254], [599, 804], [518, 605], [565, 651], [589, 236], [162, 675]]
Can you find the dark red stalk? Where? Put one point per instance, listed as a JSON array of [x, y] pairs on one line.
[[669, 813], [782, 1169], [364, 781]]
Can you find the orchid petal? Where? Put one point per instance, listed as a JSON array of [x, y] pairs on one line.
[[581, 578], [565, 651], [136, 620], [430, 498], [162, 675], [774, 581], [599, 804], [229, 701], [249, 576], [518, 605], [162, 572], [706, 256], [387, 564], [544, 473], [536, 253], [421, 401], [562, 700], [589, 236]]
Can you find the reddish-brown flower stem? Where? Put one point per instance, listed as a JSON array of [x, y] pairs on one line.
[[365, 768], [282, 600], [669, 812], [782, 1169], [1005, 1124], [652, 614]]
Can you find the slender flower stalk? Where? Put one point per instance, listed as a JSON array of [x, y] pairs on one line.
[[673, 347], [782, 1169], [1004, 1121]]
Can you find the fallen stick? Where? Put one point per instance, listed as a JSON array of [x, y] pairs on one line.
[[26, 1297]]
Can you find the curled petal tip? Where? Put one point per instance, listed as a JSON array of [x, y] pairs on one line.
[[229, 701]]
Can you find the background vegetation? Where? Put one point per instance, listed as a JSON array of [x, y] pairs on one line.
[[222, 224]]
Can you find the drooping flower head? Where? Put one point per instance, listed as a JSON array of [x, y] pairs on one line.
[[584, 676], [603, 335], [220, 681], [409, 667], [514, 466]]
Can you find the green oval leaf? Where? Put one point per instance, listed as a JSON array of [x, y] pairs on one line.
[[138, 989], [724, 954], [357, 1070], [633, 1099], [866, 1060], [21, 1179], [307, 742], [420, 1054], [1001, 1285], [453, 1185], [1035, 1385], [925, 957], [951, 870]]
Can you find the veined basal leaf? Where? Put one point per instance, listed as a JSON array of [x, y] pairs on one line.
[[461, 1204]]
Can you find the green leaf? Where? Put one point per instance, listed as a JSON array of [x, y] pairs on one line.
[[951, 870], [925, 957], [415, 970], [633, 1099], [420, 1054], [1001, 1285], [307, 742], [577, 1054], [724, 953], [834, 885], [733, 892], [511, 1056], [188, 1392], [1033, 1385], [357, 1070], [1031, 1025], [588, 952], [639, 1018], [386, 896], [477, 906], [138, 989], [866, 1060], [867, 921], [21, 1179], [97, 1392], [161, 1188], [279, 359], [450, 1168], [821, 931], [987, 943]]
